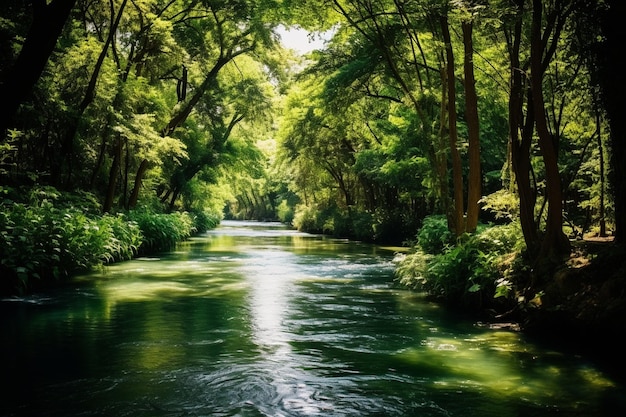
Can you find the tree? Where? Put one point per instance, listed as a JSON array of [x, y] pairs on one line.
[[554, 243], [527, 115], [474, 187], [237, 28], [607, 54], [48, 20], [90, 92], [405, 35], [456, 213]]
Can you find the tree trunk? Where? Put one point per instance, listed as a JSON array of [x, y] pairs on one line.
[[602, 232], [520, 136], [457, 216], [182, 115], [554, 243], [113, 176], [49, 18], [134, 195], [474, 187], [439, 158], [172, 203]]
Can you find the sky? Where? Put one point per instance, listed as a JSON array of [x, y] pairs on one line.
[[298, 39]]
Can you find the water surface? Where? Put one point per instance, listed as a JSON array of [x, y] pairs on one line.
[[257, 320]]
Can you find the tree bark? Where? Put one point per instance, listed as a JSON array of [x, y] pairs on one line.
[[457, 223], [113, 177], [601, 213], [49, 18], [134, 195], [520, 136], [474, 187], [554, 243]]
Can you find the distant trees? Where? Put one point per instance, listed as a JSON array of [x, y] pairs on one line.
[[130, 90], [510, 117]]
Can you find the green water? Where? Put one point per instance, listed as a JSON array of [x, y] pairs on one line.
[[257, 320]]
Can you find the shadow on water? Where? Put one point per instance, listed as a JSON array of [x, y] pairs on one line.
[[257, 320]]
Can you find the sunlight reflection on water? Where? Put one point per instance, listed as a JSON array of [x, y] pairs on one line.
[[257, 320]]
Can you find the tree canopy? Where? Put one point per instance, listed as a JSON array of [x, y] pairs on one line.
[[478, 110]]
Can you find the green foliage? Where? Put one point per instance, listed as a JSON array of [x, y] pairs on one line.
[[50, 236], [361, 225], [393, 225], [52, 239], [503, 204], [389, 226], [161, 232], [434, 236], [305, 219], [285, 212], [186, 96], [205, 220], [125, 237], [411, 270], [472, 272]]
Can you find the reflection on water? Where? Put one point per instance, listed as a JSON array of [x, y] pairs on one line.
[[257, 320], [269, 274]]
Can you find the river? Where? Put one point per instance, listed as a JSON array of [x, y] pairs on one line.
[[254, 319]]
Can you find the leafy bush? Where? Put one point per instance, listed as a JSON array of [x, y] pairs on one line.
[[305, 219], [42, 243], [125, 238], [412, 270], [362, 225], [161, 232], [353, 224], [433, 237], [205, 220], [46, 235], [502, 204], [470, 272], [22, 255], [285, 212]]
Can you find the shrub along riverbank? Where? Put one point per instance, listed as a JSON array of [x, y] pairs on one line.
[[50, 236], [581, 304], [476, 271]]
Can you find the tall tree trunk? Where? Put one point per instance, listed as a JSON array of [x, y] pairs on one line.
[[49, 18], [456, 218], [520, 136], [113, 176], [126, 172], [602, 179], [474, 186], [134, 195], [439, 156], [99, 162], [554, 243]]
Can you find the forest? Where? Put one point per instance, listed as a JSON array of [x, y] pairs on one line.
[[484, 135]]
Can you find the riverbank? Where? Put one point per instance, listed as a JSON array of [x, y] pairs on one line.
[[584, 306], [47, 236]]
